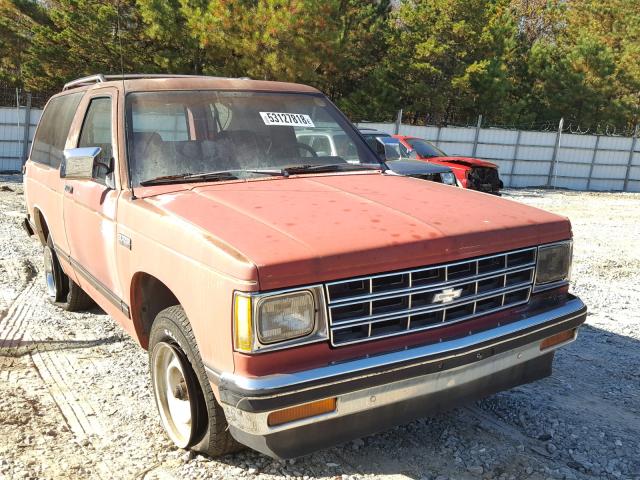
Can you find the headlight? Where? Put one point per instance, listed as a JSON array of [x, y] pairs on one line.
[[554, 263], [448, 178], [278, 320], [287, 316]]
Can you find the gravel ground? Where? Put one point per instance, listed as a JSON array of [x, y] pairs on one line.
[[75, 397]]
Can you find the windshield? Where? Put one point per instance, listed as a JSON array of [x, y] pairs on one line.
[[424, 148], [249, 133]]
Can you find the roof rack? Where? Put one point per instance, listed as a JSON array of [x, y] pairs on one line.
[[100, 78], [81, 82]]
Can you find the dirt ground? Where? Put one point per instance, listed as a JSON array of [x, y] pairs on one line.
[[75, 396]]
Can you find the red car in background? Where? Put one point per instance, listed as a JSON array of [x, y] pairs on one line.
[[472, 173]]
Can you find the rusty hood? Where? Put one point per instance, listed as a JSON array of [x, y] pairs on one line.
[[307, 229]]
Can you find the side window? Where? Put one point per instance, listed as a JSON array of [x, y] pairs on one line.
[[221, 115], [320, 143], [96, 132], [48, 144], [322, 146], [425, 149]]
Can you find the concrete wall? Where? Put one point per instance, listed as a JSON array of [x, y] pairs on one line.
[[12, 136], [526, 158]]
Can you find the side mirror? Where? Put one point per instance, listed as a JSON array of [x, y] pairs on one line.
[[80, 162], [412, 155]]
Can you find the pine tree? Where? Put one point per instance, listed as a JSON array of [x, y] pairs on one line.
[[86, 37], [446, 57], [17, 19]]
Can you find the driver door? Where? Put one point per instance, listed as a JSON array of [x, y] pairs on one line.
[[90, 204]]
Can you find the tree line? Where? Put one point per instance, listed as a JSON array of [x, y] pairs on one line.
[[517, 62]]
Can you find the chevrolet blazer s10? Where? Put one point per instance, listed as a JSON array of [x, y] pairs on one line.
[[289, 299]]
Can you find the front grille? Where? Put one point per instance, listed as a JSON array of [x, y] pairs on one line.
[[484, 178], [368, 308]]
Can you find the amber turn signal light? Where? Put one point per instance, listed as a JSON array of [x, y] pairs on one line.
[[302, 411], [557, 339]]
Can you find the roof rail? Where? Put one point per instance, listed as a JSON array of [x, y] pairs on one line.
[[81, 82], [100, 78], [133, 76]]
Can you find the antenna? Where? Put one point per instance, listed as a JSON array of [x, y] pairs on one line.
[[124, 97]]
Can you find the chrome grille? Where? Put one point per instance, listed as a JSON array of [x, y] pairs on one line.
[[378, 306]]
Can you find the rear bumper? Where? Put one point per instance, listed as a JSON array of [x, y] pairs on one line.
[[375, 393]]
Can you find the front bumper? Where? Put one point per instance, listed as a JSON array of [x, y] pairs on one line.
[[486, 189], [375, 393]]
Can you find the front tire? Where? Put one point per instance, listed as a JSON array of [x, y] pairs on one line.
[[188, 410]]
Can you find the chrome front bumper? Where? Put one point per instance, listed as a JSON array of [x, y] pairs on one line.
[[375, 393]]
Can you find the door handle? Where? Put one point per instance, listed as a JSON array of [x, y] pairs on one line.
[[68, 188]]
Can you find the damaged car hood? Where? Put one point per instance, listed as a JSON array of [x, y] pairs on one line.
[[466, 161], [308, 229]]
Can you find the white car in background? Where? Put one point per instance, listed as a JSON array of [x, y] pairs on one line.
[[398, 159]]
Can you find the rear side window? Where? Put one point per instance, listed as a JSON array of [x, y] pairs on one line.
[[48, 144]]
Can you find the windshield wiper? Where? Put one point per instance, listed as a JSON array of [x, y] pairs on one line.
[[335, 167], [190, 177], [232, 174], [264, 171]]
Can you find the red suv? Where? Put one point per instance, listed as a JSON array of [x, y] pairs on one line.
[[291, 295], [472, 173]]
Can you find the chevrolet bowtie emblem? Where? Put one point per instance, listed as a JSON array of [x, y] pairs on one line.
[[446, 296]]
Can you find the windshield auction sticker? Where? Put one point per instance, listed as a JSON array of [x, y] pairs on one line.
[[287, 119]]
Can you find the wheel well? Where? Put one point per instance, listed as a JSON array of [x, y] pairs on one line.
[[42, 229], [149, 296]]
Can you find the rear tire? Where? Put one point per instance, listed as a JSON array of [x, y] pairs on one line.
[[188, 410], [54, 277], [61, 290]]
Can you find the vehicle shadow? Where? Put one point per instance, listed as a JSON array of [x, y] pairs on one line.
[[573, 424]]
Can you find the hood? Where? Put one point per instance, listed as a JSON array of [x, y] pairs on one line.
[[415, 167], [308, 229], [466, 161]]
